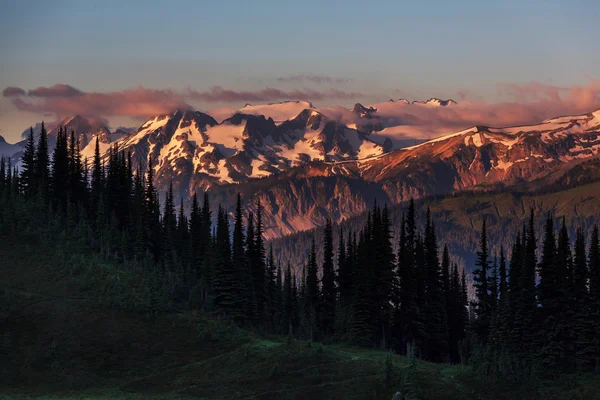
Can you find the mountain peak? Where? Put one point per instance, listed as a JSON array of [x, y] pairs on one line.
[[436, 102], [362, 110]]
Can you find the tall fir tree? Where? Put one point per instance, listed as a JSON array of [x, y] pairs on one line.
[[482, 305], [328, 289]]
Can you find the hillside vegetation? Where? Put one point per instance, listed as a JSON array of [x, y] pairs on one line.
[[66, 335]]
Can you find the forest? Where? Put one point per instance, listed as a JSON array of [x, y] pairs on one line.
[[536, 309]]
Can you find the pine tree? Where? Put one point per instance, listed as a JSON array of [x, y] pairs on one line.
[[245, 296], [272, 299], [288, 303], [594, 267], [529, 304], [311, 294], [28, 175], [169, 229], [259, 262], [436, 322], [482, 306], [42, 162], [152, 213], [97, 184], [225, 277], [549, 295], [205, 269], [328, 289], [60, 172], [583, 328]]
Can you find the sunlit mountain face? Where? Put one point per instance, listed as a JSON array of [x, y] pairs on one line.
[[306, 164]]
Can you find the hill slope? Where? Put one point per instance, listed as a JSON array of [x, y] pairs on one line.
[[62, 340]]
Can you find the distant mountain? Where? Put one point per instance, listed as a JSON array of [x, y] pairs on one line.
[[196, 153], [479, 158], [6, 149], [306, 164], [459, 216]]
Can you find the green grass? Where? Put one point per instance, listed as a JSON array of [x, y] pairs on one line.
[[58, 342]]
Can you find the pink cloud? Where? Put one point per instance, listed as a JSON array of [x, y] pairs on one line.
[[64, 100], [13, 91], [525, 104], [141, 102], [58, 90]]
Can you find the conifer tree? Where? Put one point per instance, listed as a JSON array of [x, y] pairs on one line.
[[225, 277], [28, 176], [152, 214], [583, 328], [288, 303], [245, 295], [328, 289], [311, 294], [205, 269], [259, 262], [42, 162], [594, 267], [436, 317], [272, 306], [529, 304], [482, 306]]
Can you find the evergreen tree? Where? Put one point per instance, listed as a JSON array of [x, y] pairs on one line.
[[549, 295], [529, 304], [435, 322], [288, 303], [245, 296], [42, 163], [272, 305], [583, 327], [225, 277], [311, 294], [328, 289], [482, 306], [28, 175], [594, 268], [259, 262]]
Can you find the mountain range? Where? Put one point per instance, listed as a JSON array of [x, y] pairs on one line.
[[306, 164]]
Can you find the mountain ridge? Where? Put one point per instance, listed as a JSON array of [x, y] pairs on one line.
[[288, 164]]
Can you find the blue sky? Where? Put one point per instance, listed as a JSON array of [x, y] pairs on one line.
[[416, 49]]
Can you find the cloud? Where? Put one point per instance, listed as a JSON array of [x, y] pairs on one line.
[[319, 79], [65, 100], [219, 94], [13, 91], [58, 90], [523, 104], [141, 102]]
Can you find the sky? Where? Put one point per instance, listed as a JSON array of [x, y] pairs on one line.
[[126, 60]]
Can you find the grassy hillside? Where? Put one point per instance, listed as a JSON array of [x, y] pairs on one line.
[[62, 337]]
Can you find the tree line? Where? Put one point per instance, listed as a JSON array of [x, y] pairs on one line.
[[414, 300], [535, 313]]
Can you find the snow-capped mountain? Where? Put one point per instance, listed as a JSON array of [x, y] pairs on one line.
[[306, 164], [477, 158], [433, 102], [195, 152]]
